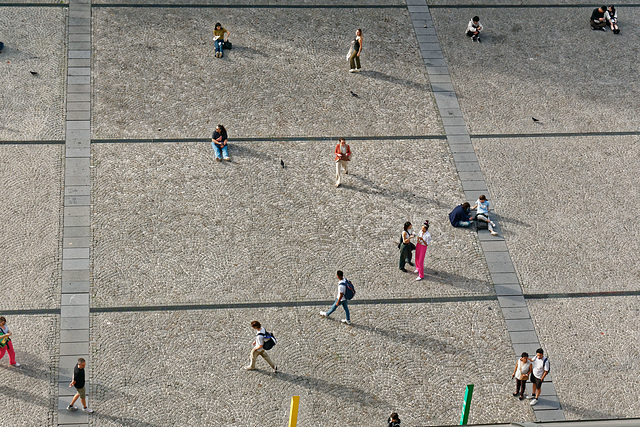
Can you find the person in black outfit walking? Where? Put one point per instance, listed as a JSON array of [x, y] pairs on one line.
[[78, 382]]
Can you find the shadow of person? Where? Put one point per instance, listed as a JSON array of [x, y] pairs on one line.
[[338, 389]]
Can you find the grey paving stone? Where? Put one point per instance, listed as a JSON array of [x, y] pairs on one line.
[[449, 112], [75, 287], [503, 278], [464, 157], [79, 54], [473, 176], [500, 267], [75, 264], [462, 148], [518, 349], [432, 54], [79, 106], [79, 80], [467, 166], [79, 97], [77, 200], [434, 62], [75, 276], [77, 221], [77, 152], [73, 323], [78, 88], [428, 39], [457, 130], [552, 415], [78, 115], [422, 15], [484, 235], [546, 403], [502, 257], [82, 17], [73, 242], [511, 301], [474, 186], [515, 313], [459, 139], [82, 231], [416, 3], [74, 253], [77, 21], [65, 391], [523, 337], [439, 70], [79, 37], [81, 124], [77, 166], [417, 9], [514, 325], [71, 349], [77, 190], [79, 29], [76, 181], [67, 418], [508, 290], [493, 246], [74, 335], [75, 299], [78, 62], [80, 45], [445, 87], [441, 78], [76, 211], [449, 121]]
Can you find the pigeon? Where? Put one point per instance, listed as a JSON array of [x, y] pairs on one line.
[[34, 73], [282, 163], [353, 94], [535, 120]]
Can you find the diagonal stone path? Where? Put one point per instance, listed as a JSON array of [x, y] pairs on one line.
[[503, 274]]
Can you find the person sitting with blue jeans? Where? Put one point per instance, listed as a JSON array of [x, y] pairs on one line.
[[219, 143], [460, 216], [219, 38]]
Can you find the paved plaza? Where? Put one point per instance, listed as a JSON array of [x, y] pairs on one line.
[[126, 243]]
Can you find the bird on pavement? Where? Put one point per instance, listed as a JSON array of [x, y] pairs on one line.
[[282, 163]]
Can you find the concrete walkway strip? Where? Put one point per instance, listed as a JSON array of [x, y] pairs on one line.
[[503, 274], [76, 231]]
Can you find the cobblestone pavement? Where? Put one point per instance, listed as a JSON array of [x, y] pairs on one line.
[[31, 105], [28, 392], [593, 353], [180, 90], [30, 178], [565, 233], [174, 220], [521, 70], [411, 358]]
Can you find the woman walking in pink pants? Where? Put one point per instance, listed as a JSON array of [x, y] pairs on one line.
[[424, 240], [5, 343]]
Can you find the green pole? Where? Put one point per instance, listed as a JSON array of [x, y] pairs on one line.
[[466, 405]]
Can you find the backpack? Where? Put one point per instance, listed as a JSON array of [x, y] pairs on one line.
[[227, 45], [269, 340], [350, 290], [545, 360]]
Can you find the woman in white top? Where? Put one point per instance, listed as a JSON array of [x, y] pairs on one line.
[[521, 374], [611, 16], [424, 240]]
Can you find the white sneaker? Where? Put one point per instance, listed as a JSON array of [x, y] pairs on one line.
[[528, 397], [494, 233], [88, 410], [533, 402], [346, 322], [323, 313], [353, 70], [249, 368], [71, 408], [418, 278], [17, 365]]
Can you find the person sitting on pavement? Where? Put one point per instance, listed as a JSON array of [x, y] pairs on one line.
[[611, 16], [598, 21], [460, 215], [473, 29], [482, 213], [219, 38]]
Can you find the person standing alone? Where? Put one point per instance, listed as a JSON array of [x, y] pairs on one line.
[[354, 52], [5, 343], [78, 382], [343, 157], [340, 300]]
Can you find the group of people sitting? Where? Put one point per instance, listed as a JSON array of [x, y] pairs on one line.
[[603, 17], [461, 216]]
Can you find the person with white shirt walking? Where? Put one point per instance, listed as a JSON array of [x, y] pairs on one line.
[[261, 344], [482, 213], [340, 300], [540, 369]]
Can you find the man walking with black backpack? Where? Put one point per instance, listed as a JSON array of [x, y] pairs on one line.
[[345, 292], [263, 342]]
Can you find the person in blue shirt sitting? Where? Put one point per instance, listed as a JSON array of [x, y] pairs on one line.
[[460, 215]]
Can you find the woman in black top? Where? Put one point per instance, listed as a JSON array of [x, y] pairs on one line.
[[354, 52], [219, 143]]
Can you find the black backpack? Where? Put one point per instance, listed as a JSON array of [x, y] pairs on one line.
[[269, 340]]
